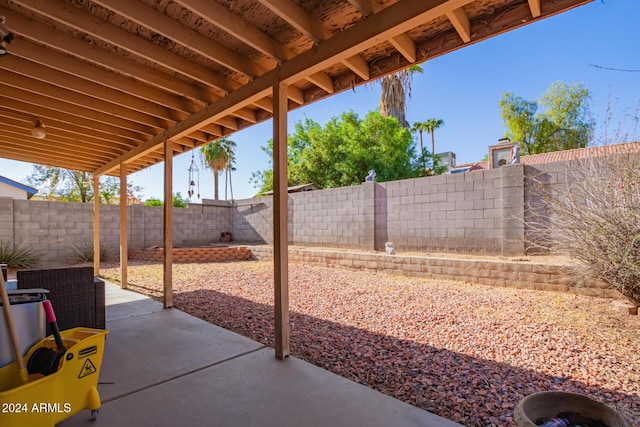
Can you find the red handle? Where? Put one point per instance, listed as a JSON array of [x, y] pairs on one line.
[[48, 311]]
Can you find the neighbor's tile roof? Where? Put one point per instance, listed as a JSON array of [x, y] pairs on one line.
[[565, 155]]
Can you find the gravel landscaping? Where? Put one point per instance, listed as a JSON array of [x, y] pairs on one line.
[[466, 352]]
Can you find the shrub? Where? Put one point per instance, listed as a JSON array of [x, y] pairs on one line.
[[593, 215], [17, 255], [84, 253]]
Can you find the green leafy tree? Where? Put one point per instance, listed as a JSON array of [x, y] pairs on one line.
[[342, 152], [218, 156], [563, 124], [177, 201], [69, 185], [153, 202]]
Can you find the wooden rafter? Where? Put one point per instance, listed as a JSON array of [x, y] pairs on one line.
[[534, 5], [226, 20], [365, 7], [461, 23], [405, 45], [189, 38], [68, 15], [306, 24]]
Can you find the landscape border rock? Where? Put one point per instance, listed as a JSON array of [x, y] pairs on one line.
[[519, 272]]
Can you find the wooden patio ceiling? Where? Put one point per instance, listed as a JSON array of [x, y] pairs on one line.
[[112, 80]]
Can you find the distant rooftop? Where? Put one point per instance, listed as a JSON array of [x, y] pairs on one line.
[[30, 190], [565, 155], [296, 189]]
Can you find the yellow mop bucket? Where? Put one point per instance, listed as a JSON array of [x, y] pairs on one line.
[[47, 400]]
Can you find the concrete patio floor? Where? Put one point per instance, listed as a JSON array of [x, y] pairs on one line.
[[167, 368]]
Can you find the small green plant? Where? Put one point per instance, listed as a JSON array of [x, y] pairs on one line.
[[17, 255], [84, 253]]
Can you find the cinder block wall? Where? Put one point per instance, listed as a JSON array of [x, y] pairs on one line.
[[252, 220], [55, 229], [338, 217], [468, 213], [477, 213], [539, 181]]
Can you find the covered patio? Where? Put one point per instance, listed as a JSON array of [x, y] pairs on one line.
[[113, 87]]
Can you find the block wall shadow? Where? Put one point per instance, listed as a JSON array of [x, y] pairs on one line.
[[381, 225]]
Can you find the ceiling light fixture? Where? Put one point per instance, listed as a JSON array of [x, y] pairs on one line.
[[38, 130]]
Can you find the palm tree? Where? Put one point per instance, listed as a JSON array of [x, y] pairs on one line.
[[396, 90], [420, 127], [431, 125], [218, 156]]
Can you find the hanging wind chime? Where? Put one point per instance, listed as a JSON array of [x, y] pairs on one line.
[[194, 176]]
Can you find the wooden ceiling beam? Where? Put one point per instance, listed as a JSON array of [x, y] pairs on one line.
[[18, 66], [71, 16], [193, 138], [185, 143], [227, 122], [57, 104], [80, 102], [51, 145], [82, 71], [323, 81], [25, 155], [316, 31], [252, 92], [295, 94], [231, 23], [402, 42], [534, 5], [53, 142], [80, 127], [246, 114], [212, 129], [64, 136], [405, 45], [20, 153], [298, 18], [358, 65], [265, 103], [391, 21], [239, 28], [365, 7], [158, 22], [120, 66], [243, 31], [461, 23]]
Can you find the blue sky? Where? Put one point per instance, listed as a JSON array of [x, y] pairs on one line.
[[463, 89]]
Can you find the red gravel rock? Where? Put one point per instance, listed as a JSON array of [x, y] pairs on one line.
[[466, 352]]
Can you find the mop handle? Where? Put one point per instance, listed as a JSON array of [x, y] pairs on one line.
[[8, 315], [51, 320]]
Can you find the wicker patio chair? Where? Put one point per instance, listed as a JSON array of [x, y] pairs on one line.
[[77, 296]]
